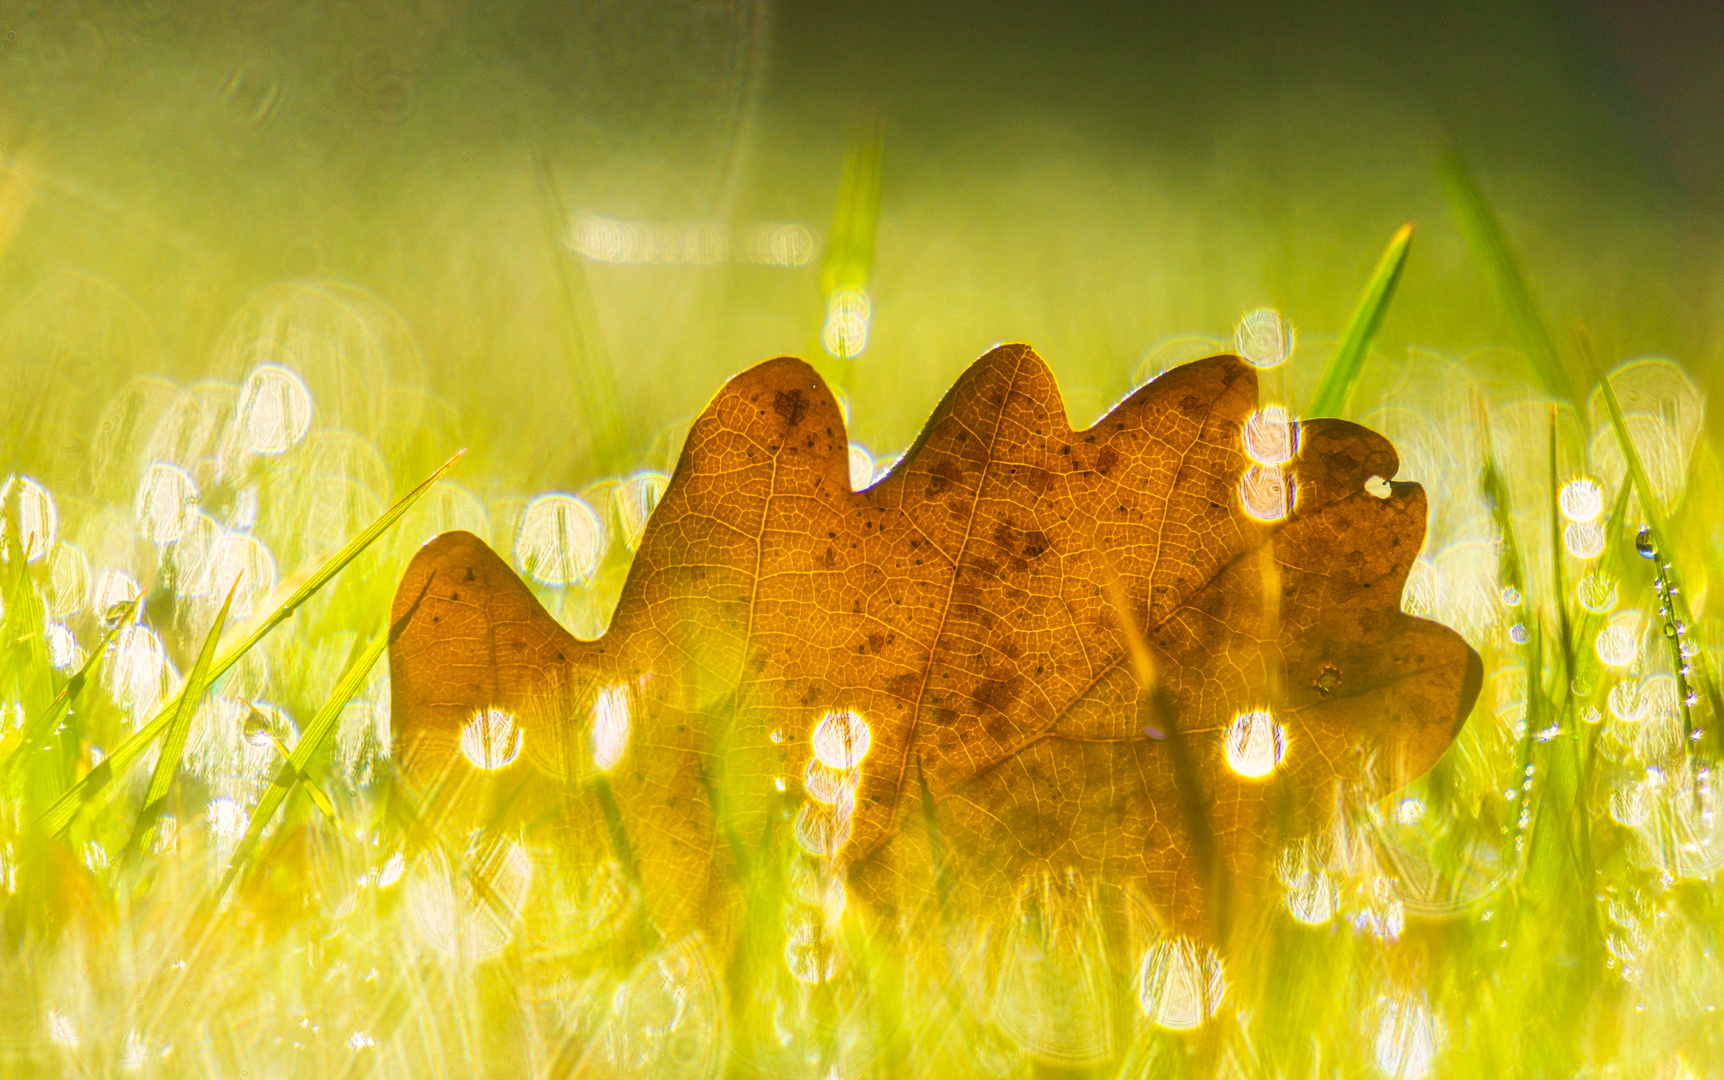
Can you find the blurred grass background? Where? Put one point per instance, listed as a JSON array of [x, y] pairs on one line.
[[412, 204]]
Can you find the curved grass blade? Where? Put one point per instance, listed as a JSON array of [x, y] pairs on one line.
[[293, 769], [1484, 234], [66, 808], [168, 762], [1355, 343], [37, 729]]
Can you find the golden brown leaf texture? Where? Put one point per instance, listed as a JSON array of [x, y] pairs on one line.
[[959, 609]]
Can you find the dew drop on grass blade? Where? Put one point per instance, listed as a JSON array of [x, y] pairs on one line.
[[66, 808]]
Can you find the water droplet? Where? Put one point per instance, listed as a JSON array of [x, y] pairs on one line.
[[1643, 543], [114, 589], [778, 735], [491, 739], [259, 732], [1254, 744], [1511, 596], [1519, 634], [841, 740], [1669, 630], [561, 540]]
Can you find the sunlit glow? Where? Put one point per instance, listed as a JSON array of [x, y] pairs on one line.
[[841, 739], [1581, 500], [1254, 744], [164, 504], [1406, 1040], [1179, 984], [27, 505], [491, 739], [1626, 701], [1263, 338], [1269, 436], [848, 313], [1584, 539], [1263, 493], [861, 467], [61, 1031], [636, 498], [809, 951], [228, 819], [610, 725], [616, 240], [561, 540], [274, 410], [197, 554], [1619, 642], [1423, 591], [1378, 487], [1661, 450]]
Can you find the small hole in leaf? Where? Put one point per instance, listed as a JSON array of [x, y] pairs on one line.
[[1378, 487]]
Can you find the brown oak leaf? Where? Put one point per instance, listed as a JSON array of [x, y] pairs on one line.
[[789, 656]]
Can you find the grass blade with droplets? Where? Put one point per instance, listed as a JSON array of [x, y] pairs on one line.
[[1349, 356], [174, 745], [45, 721], [66, 808], [316, 734], [1484, 234]]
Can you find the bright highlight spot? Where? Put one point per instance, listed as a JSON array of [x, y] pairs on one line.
[[27, 505], [620, 241], [491, 739], [164, 503], [841, 740], [1581, 500], [561, 540], [1263, 493], [861, 467], [1179, 988], [610, 725], [1263, 338], [274, 410], [1619, 643], [1596, 593], [1584, 539], [1254, 744], [68, 580], [114, 589], [636, 498], [1269, 436], [848, 312], [1406, 1040]]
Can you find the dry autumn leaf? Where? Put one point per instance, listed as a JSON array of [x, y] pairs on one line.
[[1082, 647]]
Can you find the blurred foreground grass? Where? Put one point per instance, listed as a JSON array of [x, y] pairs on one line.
[[181, 421]]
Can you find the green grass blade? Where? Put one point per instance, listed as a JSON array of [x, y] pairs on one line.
[[38, 729], [66, 808], [850, 248], [1484, 234], [173, 747], [292, 770], [1355, 344]]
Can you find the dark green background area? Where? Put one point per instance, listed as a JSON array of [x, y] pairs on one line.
[[1092, 178]]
